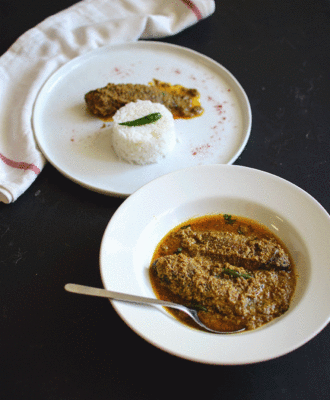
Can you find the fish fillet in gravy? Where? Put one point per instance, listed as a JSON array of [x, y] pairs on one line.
[[182, 102], [238, 275]]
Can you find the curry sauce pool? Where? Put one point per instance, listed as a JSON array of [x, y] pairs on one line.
[[235, 271]]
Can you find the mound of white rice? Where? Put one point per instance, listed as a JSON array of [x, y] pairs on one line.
[[143, 144]]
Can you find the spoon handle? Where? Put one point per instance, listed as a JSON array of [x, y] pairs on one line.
[[91, 291]]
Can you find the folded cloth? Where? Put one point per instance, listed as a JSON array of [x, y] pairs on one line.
[[39, 52]]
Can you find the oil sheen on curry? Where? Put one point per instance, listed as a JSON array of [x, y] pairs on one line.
[[233, 270]]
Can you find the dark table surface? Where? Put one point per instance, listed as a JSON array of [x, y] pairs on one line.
[[55, 345]]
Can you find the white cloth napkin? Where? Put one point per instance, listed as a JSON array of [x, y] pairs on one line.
[[39, 52]]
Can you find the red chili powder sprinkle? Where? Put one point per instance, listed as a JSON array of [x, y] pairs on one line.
[[218, 107], [201, 149]]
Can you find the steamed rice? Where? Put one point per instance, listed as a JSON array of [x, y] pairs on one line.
[[143, 144]]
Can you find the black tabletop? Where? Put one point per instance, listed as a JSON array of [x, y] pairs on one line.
[[55, 345]]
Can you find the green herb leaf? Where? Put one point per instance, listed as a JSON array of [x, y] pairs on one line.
[[148, 119], [198, 307], [179, 250], [236, 274], [185, 227], [228, 219]]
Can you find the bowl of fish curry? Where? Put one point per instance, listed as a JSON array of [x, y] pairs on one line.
[[244, 247], [233, 270]]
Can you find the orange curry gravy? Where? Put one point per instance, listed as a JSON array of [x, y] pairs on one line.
[[264, 292], [179, 91]]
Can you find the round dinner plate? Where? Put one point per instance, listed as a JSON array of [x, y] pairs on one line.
[[79, 144], [147, 215]]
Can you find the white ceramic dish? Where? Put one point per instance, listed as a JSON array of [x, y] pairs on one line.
[[79, 145], [146, 216]]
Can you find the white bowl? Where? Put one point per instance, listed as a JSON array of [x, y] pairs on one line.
[[292, 214]]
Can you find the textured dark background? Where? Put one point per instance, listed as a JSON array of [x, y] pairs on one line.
[[54, 345]]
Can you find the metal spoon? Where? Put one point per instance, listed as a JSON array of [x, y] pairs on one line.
[[91, 291]]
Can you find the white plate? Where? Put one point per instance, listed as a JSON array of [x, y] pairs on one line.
[[77, 145], [292, 214]]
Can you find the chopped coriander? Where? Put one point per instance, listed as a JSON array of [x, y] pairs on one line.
[[228, 219]]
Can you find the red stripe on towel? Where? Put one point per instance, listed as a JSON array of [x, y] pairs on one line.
[[193, 8], [19, 165]]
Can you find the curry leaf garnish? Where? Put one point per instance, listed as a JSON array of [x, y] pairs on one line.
[[228, 219], [148, 119], [178, 251], [236, 274]]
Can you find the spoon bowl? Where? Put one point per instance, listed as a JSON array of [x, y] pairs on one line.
[[91, 291]]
